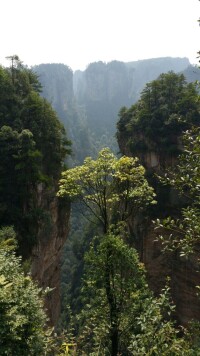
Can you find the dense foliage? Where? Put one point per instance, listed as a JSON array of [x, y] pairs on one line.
[[120, 314], [155, 124], [116, 311], [32, 149], [110, 188], [167, 107], [23, 320]]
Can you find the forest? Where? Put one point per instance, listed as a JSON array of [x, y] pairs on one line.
[[99, 209]]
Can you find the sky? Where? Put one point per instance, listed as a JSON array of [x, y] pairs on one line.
[[79, 32]]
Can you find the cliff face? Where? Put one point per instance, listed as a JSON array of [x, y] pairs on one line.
[[52, 234], [183, 273], [57, 85]]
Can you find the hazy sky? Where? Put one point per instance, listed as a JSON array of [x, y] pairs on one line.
[[78, 32]]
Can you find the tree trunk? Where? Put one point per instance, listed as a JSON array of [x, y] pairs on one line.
[[114, 341]]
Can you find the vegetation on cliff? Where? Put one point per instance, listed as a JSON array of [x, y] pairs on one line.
[[167, 107], [33, 146], [183, 234]]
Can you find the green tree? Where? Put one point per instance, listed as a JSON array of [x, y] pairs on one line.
[[22, 317], [166, 108], [33, 146], [110, 188], [114, 287], [120, 315], [20, 168], [38, 116], [23, 79]]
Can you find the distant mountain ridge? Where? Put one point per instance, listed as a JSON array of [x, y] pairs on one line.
[[140, 72], [88, 102], [149, 69], [103, 88]]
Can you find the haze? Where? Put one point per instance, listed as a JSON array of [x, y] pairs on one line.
[[78, 32]]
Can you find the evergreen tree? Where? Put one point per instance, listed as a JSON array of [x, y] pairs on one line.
[[33, 146], [22, 317]]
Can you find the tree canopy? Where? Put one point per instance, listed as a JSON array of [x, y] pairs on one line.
[[110, 188], [33, 146], [119, 314], [167, 107]]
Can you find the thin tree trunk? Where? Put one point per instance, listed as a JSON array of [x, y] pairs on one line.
[[114, 341]]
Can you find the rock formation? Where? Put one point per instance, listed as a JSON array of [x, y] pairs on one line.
[[45, 266], [184, 273]]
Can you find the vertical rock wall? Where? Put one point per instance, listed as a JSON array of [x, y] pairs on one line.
[[46, 254]]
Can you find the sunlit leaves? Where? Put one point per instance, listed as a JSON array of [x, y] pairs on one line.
[[156, 334], [108, 185]]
